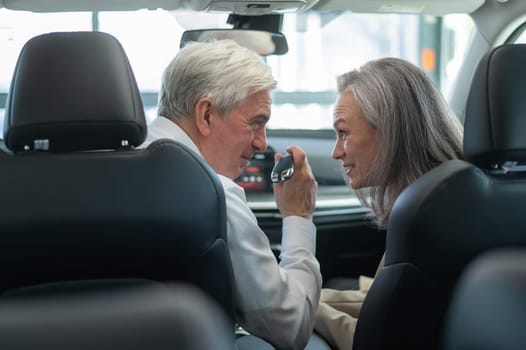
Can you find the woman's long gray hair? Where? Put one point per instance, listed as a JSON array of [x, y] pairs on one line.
[[416, 129]]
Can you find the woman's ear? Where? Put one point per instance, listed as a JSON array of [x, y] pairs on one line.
[[203, 117]]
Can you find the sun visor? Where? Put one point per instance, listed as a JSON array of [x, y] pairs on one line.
[[241, 7], [420, 7], [93, 5], [252, 8]]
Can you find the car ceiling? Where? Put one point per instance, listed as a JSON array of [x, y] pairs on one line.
[[434, 7]]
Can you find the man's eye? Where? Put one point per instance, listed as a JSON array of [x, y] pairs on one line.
[[258, 125]]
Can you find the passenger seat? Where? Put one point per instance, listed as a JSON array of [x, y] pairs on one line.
[[453, 213]]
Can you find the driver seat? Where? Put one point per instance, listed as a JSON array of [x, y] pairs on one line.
[[79, 200]]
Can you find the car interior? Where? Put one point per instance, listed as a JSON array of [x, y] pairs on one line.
[[84, 200]]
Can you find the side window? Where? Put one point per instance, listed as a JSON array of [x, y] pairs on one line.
[[519, 36]]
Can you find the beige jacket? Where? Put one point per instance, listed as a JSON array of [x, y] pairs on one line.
[[338, 311]]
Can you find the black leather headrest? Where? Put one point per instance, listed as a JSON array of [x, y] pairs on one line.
[[112, 314], [495, 125], [73, 91], [488, 308]]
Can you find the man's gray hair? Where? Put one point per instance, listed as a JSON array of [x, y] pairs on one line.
[[222, 70], [416, 129]]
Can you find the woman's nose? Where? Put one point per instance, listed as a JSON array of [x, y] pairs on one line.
[[336, 151]]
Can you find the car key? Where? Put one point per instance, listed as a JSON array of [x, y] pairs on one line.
[[283, 169]]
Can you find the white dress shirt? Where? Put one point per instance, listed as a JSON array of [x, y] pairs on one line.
[[276, 302]]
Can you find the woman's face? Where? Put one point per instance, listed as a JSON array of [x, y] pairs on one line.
[[356, 141]]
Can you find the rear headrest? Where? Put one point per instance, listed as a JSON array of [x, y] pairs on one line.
[[112, 314], [73, 91], [495, 125]]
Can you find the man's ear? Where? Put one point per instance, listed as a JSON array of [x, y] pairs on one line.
[[203, 110]]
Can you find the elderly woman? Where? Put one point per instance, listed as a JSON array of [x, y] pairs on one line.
[[392, 125]]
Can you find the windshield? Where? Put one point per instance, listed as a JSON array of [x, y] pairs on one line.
[[321, 46]]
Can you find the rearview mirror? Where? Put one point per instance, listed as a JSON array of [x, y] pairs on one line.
[[262, 42]]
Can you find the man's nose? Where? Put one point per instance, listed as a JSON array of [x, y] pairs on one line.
[[260, 140]]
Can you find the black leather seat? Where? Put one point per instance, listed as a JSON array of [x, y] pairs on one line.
[[132, 315], [488, 310], [79, 201], [453, 213]]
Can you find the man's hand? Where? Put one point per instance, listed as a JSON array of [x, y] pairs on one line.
[[297, 196]]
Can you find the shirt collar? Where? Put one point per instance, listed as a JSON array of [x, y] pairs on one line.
[[162, 127]]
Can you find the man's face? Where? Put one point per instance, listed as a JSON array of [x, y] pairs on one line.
[[234, 140]]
